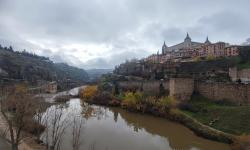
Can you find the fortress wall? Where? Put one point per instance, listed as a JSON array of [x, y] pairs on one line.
[[181, 88], [235, 93], [243, 74], [152, 87]]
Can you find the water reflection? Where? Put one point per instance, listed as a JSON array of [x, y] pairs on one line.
[[114, 128]]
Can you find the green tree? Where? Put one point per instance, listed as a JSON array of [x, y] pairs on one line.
[[244, 53]]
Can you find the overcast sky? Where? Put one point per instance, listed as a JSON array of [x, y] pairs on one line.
[[104, 33]]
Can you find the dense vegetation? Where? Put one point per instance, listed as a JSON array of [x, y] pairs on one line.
[[15, 65]]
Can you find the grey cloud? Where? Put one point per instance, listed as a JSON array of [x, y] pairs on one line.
[[130, 28]]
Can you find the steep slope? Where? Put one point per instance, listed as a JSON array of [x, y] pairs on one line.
[[34, 69]]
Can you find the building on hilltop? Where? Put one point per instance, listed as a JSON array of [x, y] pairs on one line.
[[186, 44], [189, 50]]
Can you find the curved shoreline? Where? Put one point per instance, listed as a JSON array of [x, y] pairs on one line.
[[198, 128]]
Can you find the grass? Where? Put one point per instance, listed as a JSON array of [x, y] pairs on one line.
[[222, 116], [244, 65]]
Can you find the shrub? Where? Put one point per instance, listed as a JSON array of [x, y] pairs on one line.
[[165, 103], [151, 100], [188, 107], [102, 98], [210, 58], [89, 92], [197, 59], [132, 99]]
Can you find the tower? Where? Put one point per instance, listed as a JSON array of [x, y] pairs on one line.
[[164, 48], [188, 41], [207, 41]]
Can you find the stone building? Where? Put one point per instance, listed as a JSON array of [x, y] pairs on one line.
[[186, 44], [189, 50], [185, 50], [51, 87], [232, 50], [216, 49]]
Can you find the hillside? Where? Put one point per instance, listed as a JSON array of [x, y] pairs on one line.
[[35, 69], [94, 74]]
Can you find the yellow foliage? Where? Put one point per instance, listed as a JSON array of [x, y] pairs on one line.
[[167, 102], [89, 91], [132, 99], [197, 59], [210, 58]]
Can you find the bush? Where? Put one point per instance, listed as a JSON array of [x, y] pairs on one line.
[[151, 100], [244, 54], [89, 92], [210, 58], [188, 107], [132, 99], [102, 98], [166, 103], [197, 59]]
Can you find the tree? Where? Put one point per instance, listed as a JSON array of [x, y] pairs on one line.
[[76, 132], [55, 122], [244, 53], [161, 90], [115, 90], [247, 42], [17, 107], [11, 49]]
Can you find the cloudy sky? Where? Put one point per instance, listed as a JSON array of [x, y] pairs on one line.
[[104, 33]]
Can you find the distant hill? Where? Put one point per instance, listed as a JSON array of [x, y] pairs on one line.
[[97, 73], [15, 65]]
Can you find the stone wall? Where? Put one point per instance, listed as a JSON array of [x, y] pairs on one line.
[[181, 88], [243, 75], [235, 93], [151, 87]]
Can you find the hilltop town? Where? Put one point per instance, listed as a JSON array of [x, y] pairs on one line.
[[206, 61], [189, 50]]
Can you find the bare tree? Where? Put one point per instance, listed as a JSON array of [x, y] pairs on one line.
[[17, 106], [38, 117], [56, 124], [76, 132], [92, 146]]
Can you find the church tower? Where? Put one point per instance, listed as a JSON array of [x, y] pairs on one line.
[[207, 41], [164, 48], [188, 41]]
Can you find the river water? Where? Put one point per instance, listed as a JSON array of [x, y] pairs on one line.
[[107, 128]]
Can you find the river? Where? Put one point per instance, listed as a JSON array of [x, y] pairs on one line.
[[108, 128]]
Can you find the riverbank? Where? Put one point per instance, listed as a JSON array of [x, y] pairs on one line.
[[163, 107], [28, 143], [128, 130], [177, 116], [223, 116]]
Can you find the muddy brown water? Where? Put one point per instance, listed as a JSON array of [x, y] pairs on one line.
[[106, 128]]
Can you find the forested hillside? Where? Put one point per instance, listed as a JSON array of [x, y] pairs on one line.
[[15, 65]]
